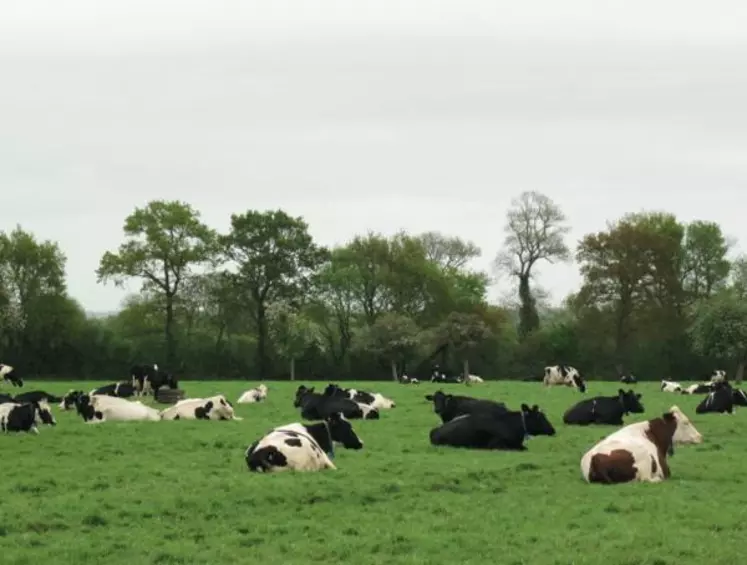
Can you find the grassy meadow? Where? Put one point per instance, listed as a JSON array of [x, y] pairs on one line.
[[179, 492]]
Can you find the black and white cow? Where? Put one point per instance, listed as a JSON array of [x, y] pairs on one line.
[[699, 388], [253, 395], [25, 417], [213, 408], [718, 376], [36, 396], [721, 400], [121, 389], [493, 430], [628, 380], [316, 406], [95, 409], [147, 379], [442, 378], [302, 447], [604, 409], [69, 401], [9, 374], [740, 397], [5, 398], [670, 386], [405, 380], [372, 399], [449, 406], [563, 375]]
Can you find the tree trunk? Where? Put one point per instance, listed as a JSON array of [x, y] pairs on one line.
[[169, 331], [293, 368], [528, 316], [394, 371], [261, 341], [465, 370], [740, 372]]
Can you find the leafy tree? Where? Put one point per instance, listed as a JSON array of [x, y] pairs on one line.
[[463, 333], [275, 258], [293, 333], [705, 268], [450, 253], [392, 336], [165, 241], [535, 231], [720, 330]]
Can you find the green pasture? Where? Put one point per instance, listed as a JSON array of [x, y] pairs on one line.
[[179, 492]]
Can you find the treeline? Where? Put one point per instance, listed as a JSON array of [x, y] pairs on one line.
[[659, 299]]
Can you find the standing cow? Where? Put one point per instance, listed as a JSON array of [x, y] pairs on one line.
[[9, 374], [147, 379], [564, 375]]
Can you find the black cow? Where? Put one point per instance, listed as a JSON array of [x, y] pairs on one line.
[[10, 375], [449, 406], [24, 417], [120, 390], [493, 430], [604, 409], [316, 406], [36, 396], [149, 378], [721, 400]]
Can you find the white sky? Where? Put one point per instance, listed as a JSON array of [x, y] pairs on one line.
[[368, 115]]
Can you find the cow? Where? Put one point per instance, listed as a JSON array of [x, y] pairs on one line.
[[253, 395], [9, 374], [302, 447], [638, 452], [493, 430], [670, 386], [122, 389], [604, 409], [147, 379], [212, 408], [70, 399], [718, 376], [740, 397], [372, 399], [721, 400], [95, 409], [449, 406], [474, 379], [628, 379], [563, 375], [25, 417], [316, 406], [36, 396], [698, 388], [442, 378], [405, 380]]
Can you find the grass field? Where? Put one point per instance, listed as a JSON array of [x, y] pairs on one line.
[[179, 492]]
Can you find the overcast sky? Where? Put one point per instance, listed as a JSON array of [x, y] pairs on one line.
[[382, 115]]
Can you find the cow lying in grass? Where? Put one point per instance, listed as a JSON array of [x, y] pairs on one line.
[[604, 409], [493, 429], [721, 400], [316, 406], [95, 409], [122, 389], [670, 386], [370, 399], [25, 417], [638, 452], [212, 408], [253, 395], [449, 406], [302, 447], [36, 396]]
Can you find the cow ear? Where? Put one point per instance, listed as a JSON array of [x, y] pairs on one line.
[[639, 396], [429, 397], [535, 408], [620, 391], [525, 408]]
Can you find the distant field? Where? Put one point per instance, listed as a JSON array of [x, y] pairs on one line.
[[179, 492]]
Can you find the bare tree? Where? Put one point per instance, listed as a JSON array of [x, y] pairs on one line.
[[535, 231]]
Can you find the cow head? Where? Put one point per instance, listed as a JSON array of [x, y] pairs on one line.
[[43, 414], [334, 390], [573, 378], [439, 399], [85, 408], [381, 401], [223, 407], [70, 399], [262, 389], [301, 392], [739, 397], [685, 432], [630, 401], [341, 431], [11, 375], [535, 421]]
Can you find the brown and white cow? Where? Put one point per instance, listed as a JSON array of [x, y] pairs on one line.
[[638, 452]]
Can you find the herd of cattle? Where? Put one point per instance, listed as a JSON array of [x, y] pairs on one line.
[[634, 452]]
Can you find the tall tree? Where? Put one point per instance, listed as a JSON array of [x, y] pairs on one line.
[[705, 267], [293, 332], [535, 231], [448, 252], [275, 258], [165, 240], [393, 337]]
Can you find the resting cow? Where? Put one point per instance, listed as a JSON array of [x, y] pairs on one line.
[[302, 447], [474, 379], [493, 430], [449, 406], [670, 386], [9, 374], [95, 409], [739, 397], [36, 396], [699, 388], [212, 408], [638, 452], [122, 389], [316, 406], [253, 395], [563, 375], [147, 379], [604, 409], [25, 417], [721, 400], [405, 380], [628, 379], [372, 399]]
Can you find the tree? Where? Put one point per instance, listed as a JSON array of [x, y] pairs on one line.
[[293, 333], [705, 267], [165, 241], [274, 259], [720, 330], [393, 337], [450, 253], [463, 333], [535, 231]]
